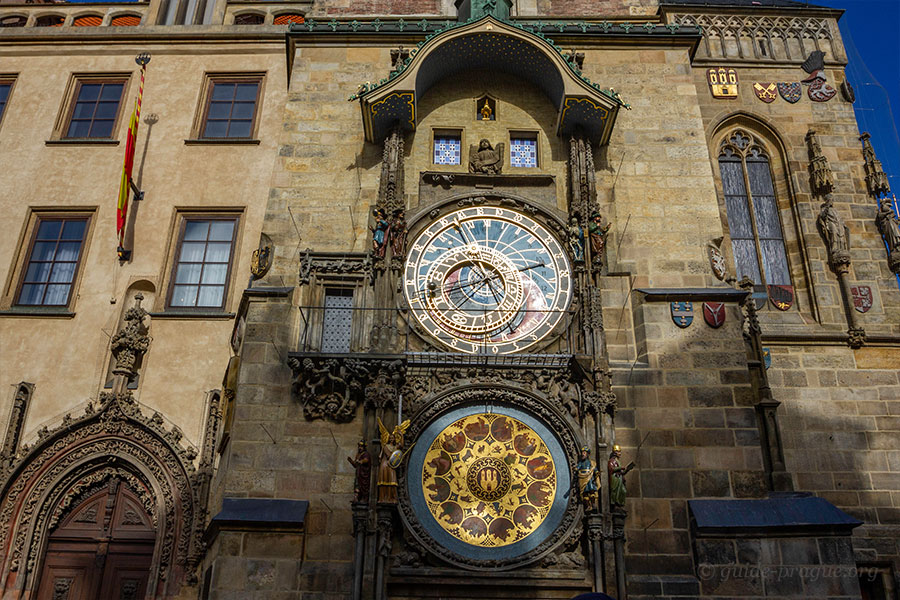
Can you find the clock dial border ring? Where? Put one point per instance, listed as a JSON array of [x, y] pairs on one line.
[[453, 329]]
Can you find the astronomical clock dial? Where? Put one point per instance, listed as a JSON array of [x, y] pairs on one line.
[[488, 485], [487, 280]]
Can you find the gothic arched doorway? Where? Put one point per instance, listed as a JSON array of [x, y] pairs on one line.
[[101, 549]]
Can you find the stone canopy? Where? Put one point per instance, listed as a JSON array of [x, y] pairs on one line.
[[490, 44]]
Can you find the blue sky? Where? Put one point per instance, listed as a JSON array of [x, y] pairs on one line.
[[871, 33]]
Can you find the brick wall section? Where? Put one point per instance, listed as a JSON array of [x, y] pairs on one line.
[[373, 8], [595, 8]]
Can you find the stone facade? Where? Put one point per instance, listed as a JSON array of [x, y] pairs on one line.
[[797, 404]]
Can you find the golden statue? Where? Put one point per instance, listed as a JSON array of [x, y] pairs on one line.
[[486, 111], [390, 458]]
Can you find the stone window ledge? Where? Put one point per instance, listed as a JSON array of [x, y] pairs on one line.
[[193, 315], [53, 313], [222, 142], [82, 142]]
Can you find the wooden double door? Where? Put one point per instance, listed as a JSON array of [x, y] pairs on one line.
[[103, 549]]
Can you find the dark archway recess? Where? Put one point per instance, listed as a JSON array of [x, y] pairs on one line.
[[129, 469], [493, 45], [103, 547]]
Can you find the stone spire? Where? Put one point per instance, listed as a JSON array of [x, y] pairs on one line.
[[876, 179]]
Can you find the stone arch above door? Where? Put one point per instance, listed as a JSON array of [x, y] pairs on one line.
[[115, 442]]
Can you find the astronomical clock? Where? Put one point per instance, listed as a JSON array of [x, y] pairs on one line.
[[488, 479]]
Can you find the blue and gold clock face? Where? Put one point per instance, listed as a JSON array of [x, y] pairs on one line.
[[488, 484], [487, 279]]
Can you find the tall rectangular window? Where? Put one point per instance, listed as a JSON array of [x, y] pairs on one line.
[[203, 263], [95, 109], [231, 106], [447, 149], [5, 89], [337, 321], [53, 260], [523, 151]]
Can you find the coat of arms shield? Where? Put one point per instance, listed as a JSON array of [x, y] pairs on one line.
[[782, 296], [682, 313], [714, 314], [819, 91], [723, 82], [790, 91], [716, 261], [862, 297], [767, 92]]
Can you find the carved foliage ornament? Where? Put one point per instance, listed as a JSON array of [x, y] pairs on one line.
[[314, 263], [115, 441]]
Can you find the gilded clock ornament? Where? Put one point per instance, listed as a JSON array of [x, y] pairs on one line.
[[487, 279], [489, 480]]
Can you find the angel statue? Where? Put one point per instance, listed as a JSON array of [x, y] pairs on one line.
[[390, 458], [485, 159]]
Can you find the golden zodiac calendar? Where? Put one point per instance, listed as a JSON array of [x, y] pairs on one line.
[[489, 480]]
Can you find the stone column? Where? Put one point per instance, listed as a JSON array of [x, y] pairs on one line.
[[594, 528], [384, 514], [360, 522], [835, 234], [618, 537]]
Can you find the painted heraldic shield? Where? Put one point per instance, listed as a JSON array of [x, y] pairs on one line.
[[819, 91], [791, 92], [782, 296], [682, 313], [714, 314], [862, 297], [765, 92]]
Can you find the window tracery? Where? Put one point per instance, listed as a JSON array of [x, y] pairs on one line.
[[757, 239]]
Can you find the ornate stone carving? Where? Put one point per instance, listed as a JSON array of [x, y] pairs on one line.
[[598, 402], [582, 180], [857, 337], [820, 175], [751, 37], [485, 158], [131, 342], [61, 586], [482, 394], [324, 263], [15, 423], [327, 389], [390, 187], [69, 460], [889, 226], [876, 178]]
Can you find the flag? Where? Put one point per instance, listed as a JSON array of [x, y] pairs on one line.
[[125, 183]]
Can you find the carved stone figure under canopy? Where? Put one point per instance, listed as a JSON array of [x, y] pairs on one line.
[[887, 223], [617, 491], [389, 459], [834, 232], [576, 240], [363, 465], [485, 159]]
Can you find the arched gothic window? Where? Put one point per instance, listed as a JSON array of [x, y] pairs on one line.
[[757, 240]]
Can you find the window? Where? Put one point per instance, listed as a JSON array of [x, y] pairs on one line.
[[203, 262], [13, 21], [230, 108], [757, 240], [125, 21], [337, 320], [87, 21], [523, 150], [249, 19], [96, 108], [5, 90], [50, 21], [288, 18], [447, 148], [53, 260]]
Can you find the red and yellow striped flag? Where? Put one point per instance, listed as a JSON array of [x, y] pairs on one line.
[[130, 143]]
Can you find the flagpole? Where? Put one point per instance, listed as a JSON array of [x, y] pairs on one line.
[[126, 184]]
